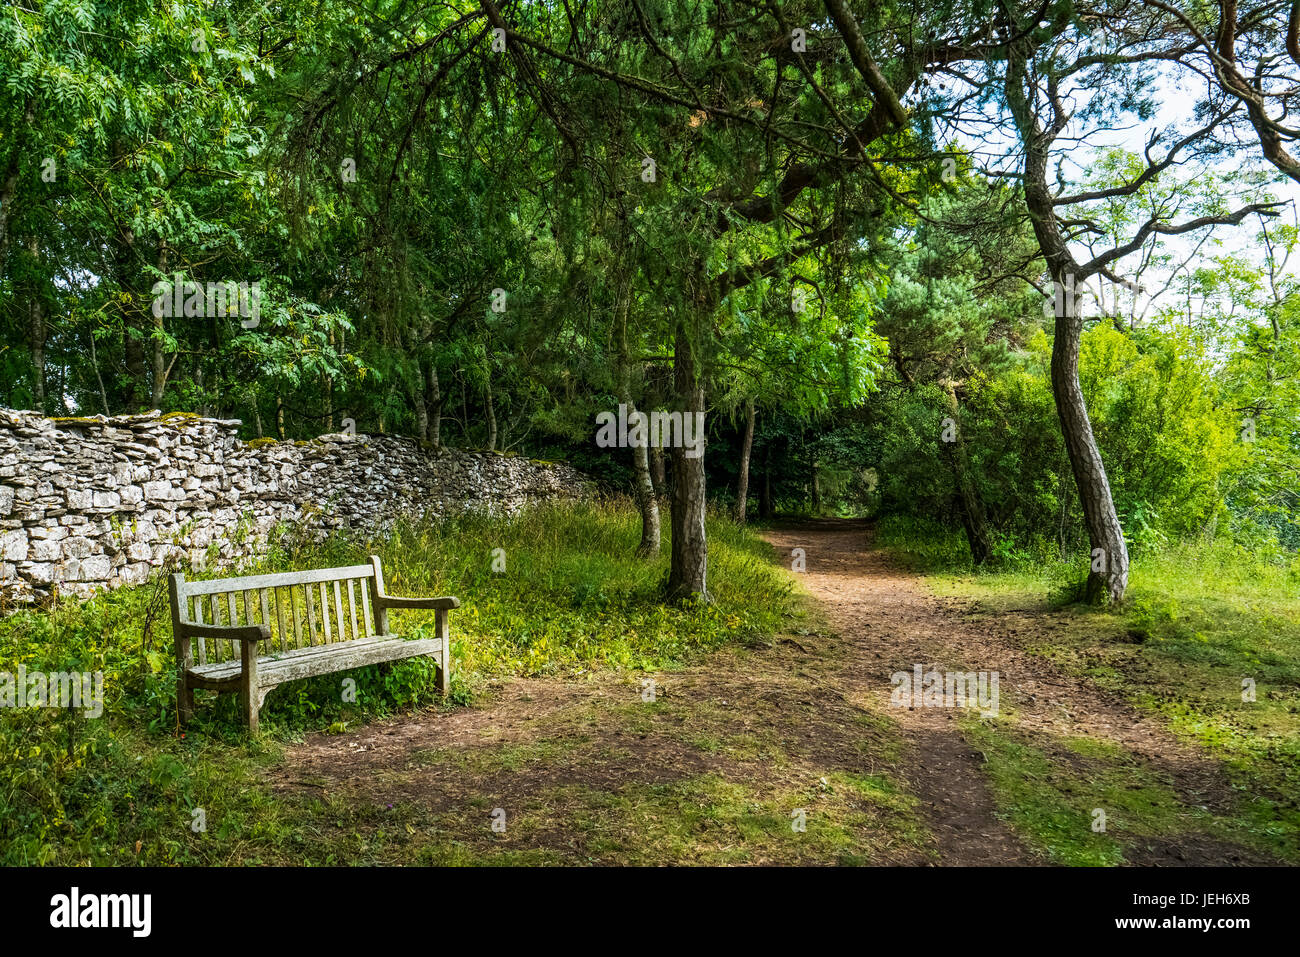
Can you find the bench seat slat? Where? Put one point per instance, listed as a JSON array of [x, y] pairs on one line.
[[309, 662]]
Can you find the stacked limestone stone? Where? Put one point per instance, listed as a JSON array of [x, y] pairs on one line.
[[99, 502]]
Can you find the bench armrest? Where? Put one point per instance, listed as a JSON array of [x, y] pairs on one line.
[[227, 632], [392, 601]]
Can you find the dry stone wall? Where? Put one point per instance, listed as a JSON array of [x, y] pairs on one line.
[[92, 503]]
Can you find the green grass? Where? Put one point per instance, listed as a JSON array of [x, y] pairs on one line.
[[1199, 619], [121, 788], [1085, 802]]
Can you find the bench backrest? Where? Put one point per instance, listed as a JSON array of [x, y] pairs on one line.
[[302, 609]]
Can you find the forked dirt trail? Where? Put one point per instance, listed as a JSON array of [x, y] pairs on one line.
[[740, 740], [894, 624]]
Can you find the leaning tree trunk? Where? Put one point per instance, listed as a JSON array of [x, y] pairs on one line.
[[1108, 572], [746, 447], [688, 569]]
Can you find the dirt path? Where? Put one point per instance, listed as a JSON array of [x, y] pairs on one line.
[[734, 748], [899, 624]]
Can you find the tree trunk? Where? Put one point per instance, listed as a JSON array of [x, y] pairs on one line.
[[133, 326], [160, 368], [328, 389], [36, 329], [1108, 571], [279, 416], [433, 393], [746, 447], [7, 193], [421, 411], [688, 569], [10, 188], [491, 418], [99, 377], [969, 505], [659, 472], [645, 498], [644, 486]]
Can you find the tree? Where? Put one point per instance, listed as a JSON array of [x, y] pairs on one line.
[[1043, 65]]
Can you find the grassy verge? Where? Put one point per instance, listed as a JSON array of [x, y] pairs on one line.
[[1208, 639], [570, 598]]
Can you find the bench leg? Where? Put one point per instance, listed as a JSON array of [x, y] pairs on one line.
[[184, 700], [250, 700], [444, 656]]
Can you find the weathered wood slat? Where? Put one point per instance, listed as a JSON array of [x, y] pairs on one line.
[[208, 614], [234, 615], [311, 615], [276, 580], [222, 650], [364, 588], [279, 614], [297, 623], [325, 611], [184, 651], [338, 614], [352, 611], [442, 631], [292, 666], [195, 614], [376, 589], [266, 615]]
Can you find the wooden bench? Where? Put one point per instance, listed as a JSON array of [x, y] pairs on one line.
[[259, 631]]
